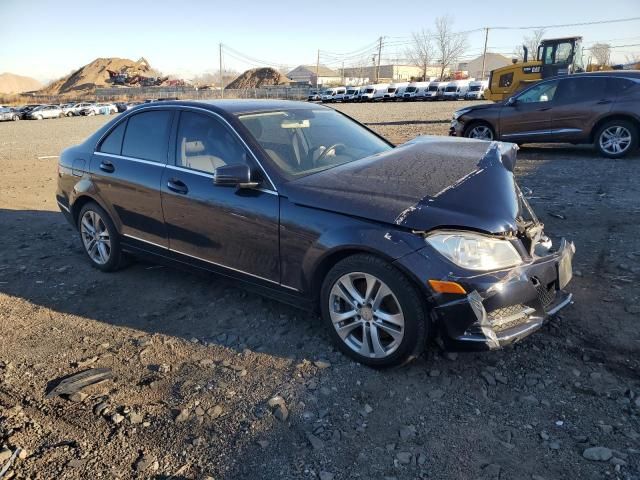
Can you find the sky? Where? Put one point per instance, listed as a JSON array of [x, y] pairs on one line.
[[47, 39]]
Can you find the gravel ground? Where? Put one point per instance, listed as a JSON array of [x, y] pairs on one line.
[[212, 381]]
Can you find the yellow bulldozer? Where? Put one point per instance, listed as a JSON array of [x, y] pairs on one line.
[[556, 56]]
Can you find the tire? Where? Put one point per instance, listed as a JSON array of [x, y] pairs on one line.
[[39, 117], [616, 138], [94, 214], [400, 301], [480, 130], [61, 115], [15, 118]]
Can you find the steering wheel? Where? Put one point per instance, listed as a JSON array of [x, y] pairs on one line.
[[327, 150]]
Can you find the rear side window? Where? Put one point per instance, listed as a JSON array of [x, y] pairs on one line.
[[572, 90], [618, 86], [113, 142], [147, 136]]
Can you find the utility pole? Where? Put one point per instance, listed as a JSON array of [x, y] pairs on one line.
[[317, 68], [343, 72], [221, 75], [484, 55], [379, 55]]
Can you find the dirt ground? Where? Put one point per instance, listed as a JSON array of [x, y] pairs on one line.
[[196, 360]]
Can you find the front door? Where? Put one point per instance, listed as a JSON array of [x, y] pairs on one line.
[[126, 171], [221, 225], [530, 116]]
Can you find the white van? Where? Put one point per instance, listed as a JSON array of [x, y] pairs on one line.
[[476, 90], [456, 89], [328, 95], [392, 90], [381, 89], [415, 91], [340, 92], [352, 94], [435, 91]]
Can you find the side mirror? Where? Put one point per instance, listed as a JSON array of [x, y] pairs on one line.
[[238, 175], [512, 101]]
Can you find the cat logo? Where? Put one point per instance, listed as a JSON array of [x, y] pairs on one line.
[[532, 69]]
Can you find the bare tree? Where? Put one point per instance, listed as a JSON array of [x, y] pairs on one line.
[[601, 52], [421, 51], [449, 45], [531, 42], [633, 58]]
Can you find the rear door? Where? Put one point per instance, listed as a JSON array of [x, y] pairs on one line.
[[529, 118], [223, 226], [579, 103], [127, 169]]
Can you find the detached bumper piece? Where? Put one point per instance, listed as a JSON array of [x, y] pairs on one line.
[[511, 309]]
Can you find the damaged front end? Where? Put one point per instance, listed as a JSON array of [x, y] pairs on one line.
[[497, 301]]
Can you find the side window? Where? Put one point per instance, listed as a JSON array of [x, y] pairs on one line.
[[113, 142], [147, 136], [544, 92], [563, 53], [572, 90], [204, 143], [618, 86], [506, 80]]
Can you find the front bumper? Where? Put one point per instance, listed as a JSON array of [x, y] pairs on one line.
[[456, 129], [501, 308]]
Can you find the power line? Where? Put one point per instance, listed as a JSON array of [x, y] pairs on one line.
[[580, 24]]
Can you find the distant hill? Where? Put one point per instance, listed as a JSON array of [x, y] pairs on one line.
[[95, 74], [258, 77], [12, 83]]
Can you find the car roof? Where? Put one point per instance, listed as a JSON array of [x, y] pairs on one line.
[[634, 74], [242, 106]]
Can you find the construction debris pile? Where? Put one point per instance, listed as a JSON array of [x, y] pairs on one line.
[[258, 77]]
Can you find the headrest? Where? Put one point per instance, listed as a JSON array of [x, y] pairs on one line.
[[196, 146]]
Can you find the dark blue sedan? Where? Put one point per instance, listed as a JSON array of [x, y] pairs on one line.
[[390, 244]]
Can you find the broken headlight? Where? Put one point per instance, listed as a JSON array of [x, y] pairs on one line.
[[458, 113], [474, 251]]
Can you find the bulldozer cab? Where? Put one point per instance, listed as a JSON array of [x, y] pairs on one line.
[[560, 56]]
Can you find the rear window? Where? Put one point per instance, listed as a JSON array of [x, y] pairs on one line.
[[147, 136], [113, 142]]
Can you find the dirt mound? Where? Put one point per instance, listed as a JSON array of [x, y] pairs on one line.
[[96, 74], [12, 83], [258, 77]]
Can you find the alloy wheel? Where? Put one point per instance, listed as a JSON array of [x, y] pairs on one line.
[[615, 139], [95, 237], [481, 132], [366, 314]]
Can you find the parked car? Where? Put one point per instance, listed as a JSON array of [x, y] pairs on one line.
[[99, 109], [25, 109], [392, 90], [7, 113], [340, 93], [314, 96], [600, 108], [415, 91], [379, 91], [311, 207], [73, 109], [476, 90], [44, 111], [329, 95]]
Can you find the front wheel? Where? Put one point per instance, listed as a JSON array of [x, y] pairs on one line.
[[15, 118], [479, 130], [616, 138], [374, 313], [99, 238]]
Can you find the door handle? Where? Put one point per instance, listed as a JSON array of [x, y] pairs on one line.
[[107, 166], [604, 101], [544, 109], [177, 186]]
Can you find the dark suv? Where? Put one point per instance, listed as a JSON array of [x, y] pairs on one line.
[[601, 108]]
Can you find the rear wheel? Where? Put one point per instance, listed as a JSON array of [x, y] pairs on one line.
[[15, 118], [374, 313], [99, 238], [616, 138], [479, 130]]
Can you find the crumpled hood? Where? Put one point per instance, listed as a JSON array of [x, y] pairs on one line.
[[429, 182]]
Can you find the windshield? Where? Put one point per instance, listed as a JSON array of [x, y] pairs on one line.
[[451, 89], [369, 90], [350, 92], [433, 88], [410, 89], [474, 88], [391, 90], [301, 142]]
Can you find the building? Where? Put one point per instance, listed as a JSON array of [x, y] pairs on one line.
[[474, 67], [307, 74], [388, 73]]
